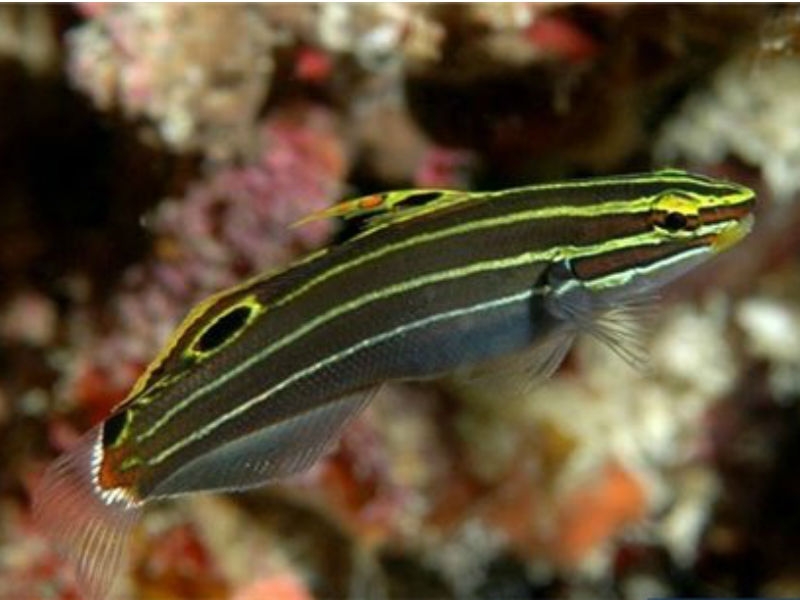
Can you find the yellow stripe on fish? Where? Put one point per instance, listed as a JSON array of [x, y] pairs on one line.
[[259, 380]]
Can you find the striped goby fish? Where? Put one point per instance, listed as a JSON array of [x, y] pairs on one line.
[[259, 380]]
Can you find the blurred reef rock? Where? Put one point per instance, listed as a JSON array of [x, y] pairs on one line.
[[151, 154]]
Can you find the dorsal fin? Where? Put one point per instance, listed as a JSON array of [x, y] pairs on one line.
[[389, 207]]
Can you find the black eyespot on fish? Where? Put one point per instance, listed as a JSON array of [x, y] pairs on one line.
[[222, 330], [675, 221], [420, 199], [113, 428]]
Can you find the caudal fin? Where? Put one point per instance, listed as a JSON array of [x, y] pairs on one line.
[[88, 527]]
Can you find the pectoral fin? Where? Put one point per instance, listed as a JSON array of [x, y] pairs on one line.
[[624, 326], [625, 330]]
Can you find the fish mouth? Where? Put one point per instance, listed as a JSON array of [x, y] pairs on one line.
[[733, 234]]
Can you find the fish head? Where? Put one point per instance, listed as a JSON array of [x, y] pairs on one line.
[[686, 219]]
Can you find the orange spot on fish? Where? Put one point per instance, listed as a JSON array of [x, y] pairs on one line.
[[371, 201], [109, 476]]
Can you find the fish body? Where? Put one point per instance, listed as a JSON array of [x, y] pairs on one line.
[[258, 380]]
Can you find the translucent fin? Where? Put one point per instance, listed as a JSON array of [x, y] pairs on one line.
[[529, 369], [384, 208], [281, 449], [543, 360], [88, 529], [625, 327]]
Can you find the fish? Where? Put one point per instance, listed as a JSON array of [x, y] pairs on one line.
[[259, 380]]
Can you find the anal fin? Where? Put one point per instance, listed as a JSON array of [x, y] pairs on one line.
[[283, 448]]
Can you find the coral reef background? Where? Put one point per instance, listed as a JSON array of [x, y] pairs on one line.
[[152, 154]]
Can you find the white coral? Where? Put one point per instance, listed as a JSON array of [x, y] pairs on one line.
[[200, 73], [750, 111]]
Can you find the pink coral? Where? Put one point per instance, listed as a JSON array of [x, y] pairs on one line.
[[233, 224], [557, 36], [200, 73], [445, 168]]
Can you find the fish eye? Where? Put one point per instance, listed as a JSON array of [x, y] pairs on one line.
[[675, 221], [674, 212], [223, 329]]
